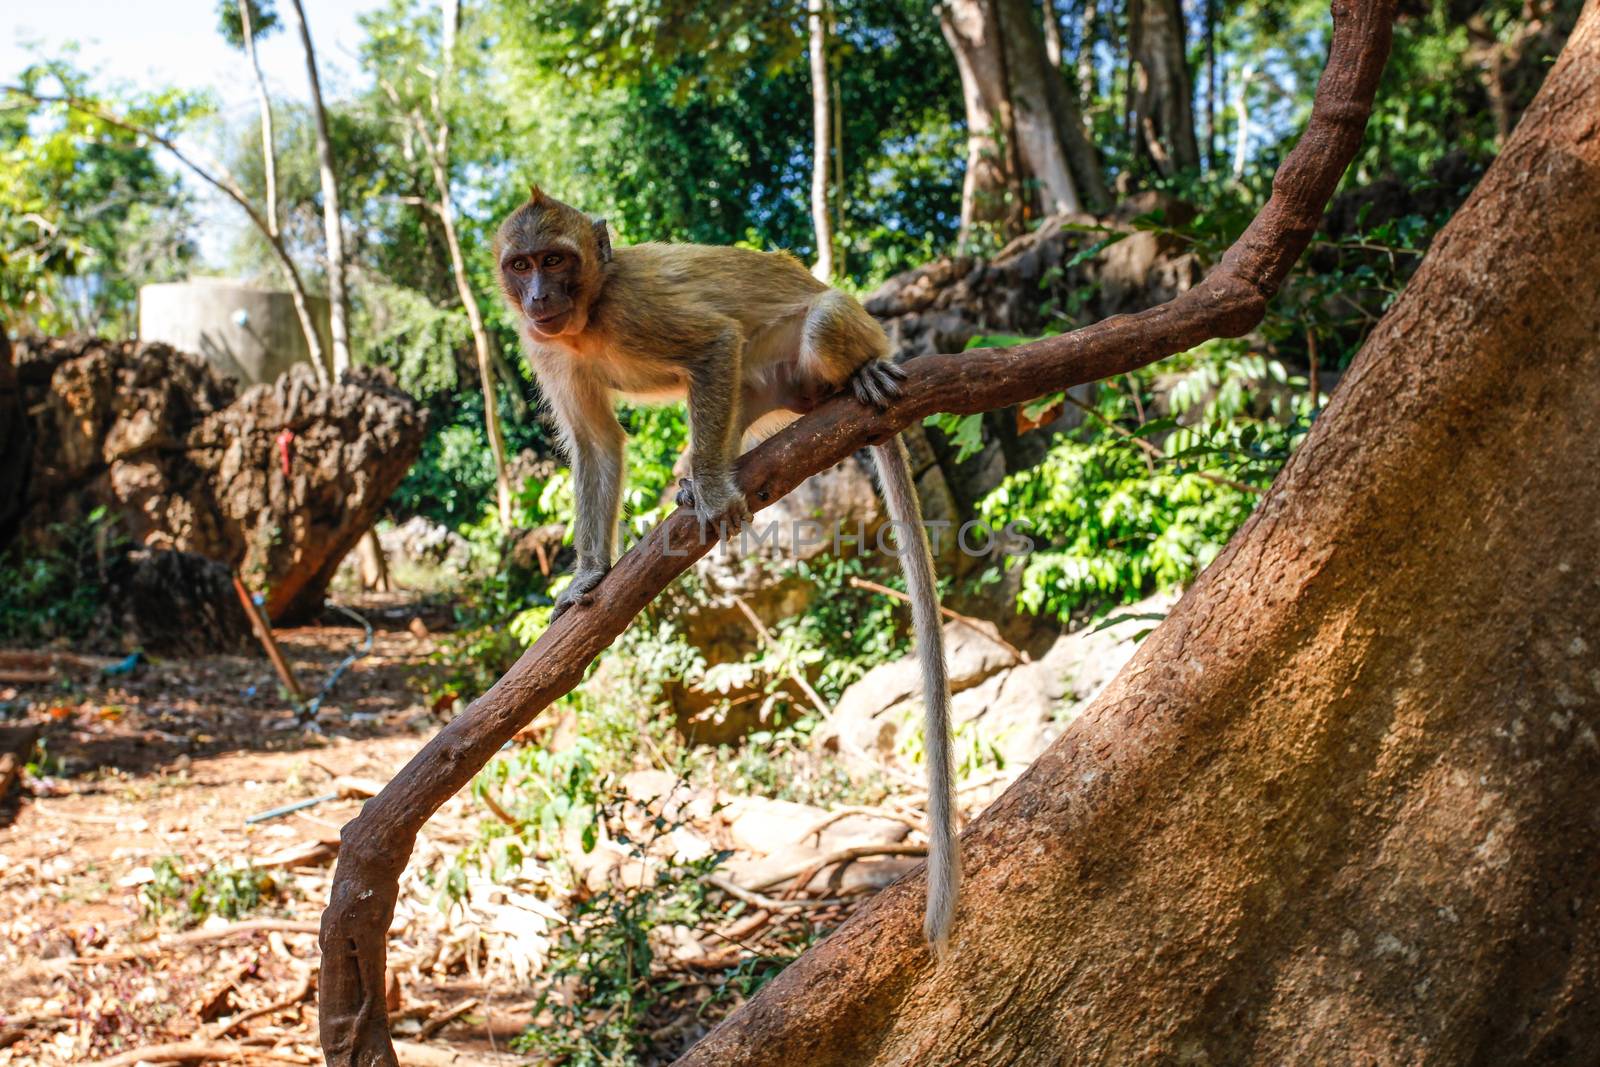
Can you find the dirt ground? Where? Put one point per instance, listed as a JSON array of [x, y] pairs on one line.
[[157, 772]]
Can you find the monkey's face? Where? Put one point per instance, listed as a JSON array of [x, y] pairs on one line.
[[549, 266]]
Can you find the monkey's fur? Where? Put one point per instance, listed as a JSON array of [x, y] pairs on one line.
[[752, 340]]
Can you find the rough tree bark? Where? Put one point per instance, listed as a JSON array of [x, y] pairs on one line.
[[1230, 301], [279, 481], [1342, 806], [1163, 112]]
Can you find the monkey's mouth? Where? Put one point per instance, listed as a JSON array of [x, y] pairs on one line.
[[551, 323]]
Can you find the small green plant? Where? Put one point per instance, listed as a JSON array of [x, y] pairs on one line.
[[227, 890], [1166, 464], [605, 991], [56, 591]]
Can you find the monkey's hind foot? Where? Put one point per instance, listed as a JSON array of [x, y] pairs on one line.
[[577, 592], [878, 383], [721, 513]]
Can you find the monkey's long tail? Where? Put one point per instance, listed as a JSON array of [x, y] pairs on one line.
[[916, 562]]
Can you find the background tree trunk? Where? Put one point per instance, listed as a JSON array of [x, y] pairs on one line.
[[1163, 112], [338, 298], [1051, 21], [1001, 57], [269, 151], [1342, 806], [1089, 26], [989, 182], [821, 141]]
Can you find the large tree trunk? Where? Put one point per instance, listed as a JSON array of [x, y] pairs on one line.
[[1342, 806], [1163, 112], [1001, 57]]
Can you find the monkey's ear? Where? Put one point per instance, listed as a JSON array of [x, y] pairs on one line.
[[602, 240], [535, 195]]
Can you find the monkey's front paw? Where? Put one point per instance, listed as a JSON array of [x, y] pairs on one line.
[[878, 383], [577, 592], [718, 506]]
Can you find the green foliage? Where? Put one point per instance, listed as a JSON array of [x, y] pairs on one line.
[[852, 629], [627, 94], [263, 20], [1114, 520], [228, 890], [86, 215], [56, 591], [604, 984]]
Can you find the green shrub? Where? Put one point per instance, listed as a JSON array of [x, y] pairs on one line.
[[57, 591]]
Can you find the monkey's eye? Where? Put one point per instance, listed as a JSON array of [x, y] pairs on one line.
[[520, 265], [554, 259]]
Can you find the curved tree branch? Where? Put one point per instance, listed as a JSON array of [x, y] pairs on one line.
[[1229, 302]]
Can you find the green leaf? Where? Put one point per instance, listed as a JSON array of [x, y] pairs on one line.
[[1141, 616], [964, 431], [1085, 254], [998, 340], [1155, 426]]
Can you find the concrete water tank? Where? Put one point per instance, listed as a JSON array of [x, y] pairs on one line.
[[248, 333]]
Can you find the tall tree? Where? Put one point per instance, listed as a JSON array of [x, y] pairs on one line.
[[216, 175], [1163, 110], [374, 568], [425, 108], [242, 23], [338, 297], [1024, 127], [821, 135], [1340, 806]]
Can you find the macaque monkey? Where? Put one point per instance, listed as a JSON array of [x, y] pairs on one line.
[[752, 340]]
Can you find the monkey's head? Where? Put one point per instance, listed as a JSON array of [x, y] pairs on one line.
[[552, 264]]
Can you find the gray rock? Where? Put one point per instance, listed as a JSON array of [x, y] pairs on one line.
[[423, 541], [1017, 709], [767, 827], [869, 714]]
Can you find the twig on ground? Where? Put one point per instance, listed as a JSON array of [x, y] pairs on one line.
[[979, 626], [194, 1052], [761, 900], [794, 675], [843, 855], [445, 1018], [847, 810], [295, 996], [499, 812]]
